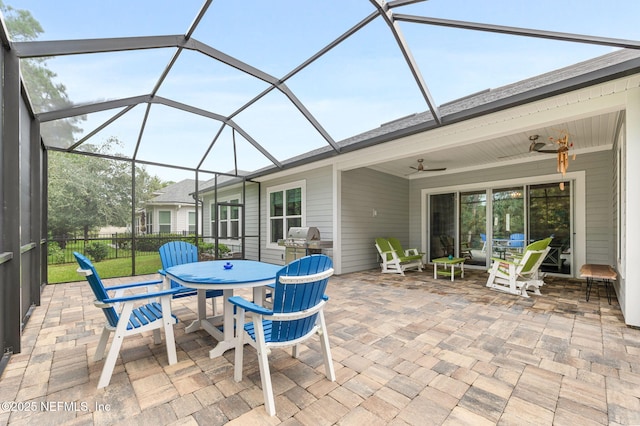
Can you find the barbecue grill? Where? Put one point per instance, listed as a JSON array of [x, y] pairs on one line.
[[303, 241]]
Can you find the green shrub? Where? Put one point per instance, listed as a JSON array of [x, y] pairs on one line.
[[206, 248], [209, 248], [97, 251], [55, 253], [223, 249], [153, 242]]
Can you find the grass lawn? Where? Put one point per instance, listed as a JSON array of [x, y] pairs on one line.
[[147, 264]]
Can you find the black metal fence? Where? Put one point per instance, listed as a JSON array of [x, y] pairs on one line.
[[112, 246]]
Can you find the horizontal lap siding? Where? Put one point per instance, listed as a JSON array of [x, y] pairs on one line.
[[600, 214], [250, 214], [364, 191], [251, 221], [319, 208]]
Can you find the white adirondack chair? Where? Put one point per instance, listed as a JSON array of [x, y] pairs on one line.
[[521, 274]]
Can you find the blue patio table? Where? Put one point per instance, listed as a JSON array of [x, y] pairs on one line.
[[225, 276]]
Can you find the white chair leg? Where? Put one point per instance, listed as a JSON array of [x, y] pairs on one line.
[[239, 351], [326, 349], [265, 378], [265, 372], [114, 350], [492, 275], [110, 362], [102, 344], [167, 320]]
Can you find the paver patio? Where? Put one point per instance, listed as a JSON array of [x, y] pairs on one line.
[[407, 350]]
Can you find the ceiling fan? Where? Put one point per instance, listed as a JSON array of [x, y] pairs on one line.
[[540, 146], [421, 167], [543, 147]]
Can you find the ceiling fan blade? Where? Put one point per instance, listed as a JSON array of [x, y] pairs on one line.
[[547, 151], [536, 146], [513, 155], [434, 170]]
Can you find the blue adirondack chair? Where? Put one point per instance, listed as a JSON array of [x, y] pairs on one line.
[[178, 253], [126, 315], [296, 315]]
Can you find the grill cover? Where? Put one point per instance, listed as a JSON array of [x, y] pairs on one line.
[[303, 234]]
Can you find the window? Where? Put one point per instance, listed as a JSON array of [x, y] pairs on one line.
[[149, 221], [229, 218], [192, 222], [164, 221], [286, 209]]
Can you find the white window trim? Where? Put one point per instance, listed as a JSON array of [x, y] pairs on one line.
[[622, 185], [160, 224], [302, 184], [189, 215]]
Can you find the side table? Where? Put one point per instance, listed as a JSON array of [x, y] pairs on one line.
[[446, 263], [594, 272]]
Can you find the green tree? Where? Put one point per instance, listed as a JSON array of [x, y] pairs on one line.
[[86, 191], [44, 92]]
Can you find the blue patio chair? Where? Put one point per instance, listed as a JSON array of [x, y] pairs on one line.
[[126, 315], [298, 301], [178, 253], [516, 241]]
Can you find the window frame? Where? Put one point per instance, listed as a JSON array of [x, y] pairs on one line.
[[161, 223], [302, 185], [191, 222]]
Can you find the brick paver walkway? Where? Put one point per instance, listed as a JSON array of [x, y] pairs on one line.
[[407, 351]]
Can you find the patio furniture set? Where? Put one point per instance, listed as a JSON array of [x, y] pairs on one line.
[[287, 305], [518, 274], [292, 314]]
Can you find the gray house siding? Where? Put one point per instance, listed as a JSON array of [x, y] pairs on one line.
[[251, 213], [365, 191], [319, 208], [600, 214]]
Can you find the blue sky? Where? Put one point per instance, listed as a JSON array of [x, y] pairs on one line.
[[361, 84]]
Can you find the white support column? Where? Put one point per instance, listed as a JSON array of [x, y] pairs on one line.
[[631, 205], [337, 219]]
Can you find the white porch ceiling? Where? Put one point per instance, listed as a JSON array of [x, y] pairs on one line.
[[587, 134]]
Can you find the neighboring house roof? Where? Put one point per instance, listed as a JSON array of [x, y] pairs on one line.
[[223, 180], [177, 193]]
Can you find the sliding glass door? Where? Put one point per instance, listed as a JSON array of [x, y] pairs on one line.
[[508, 235], [501, 222], [442, 225], [550, 216], [473, 227]]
